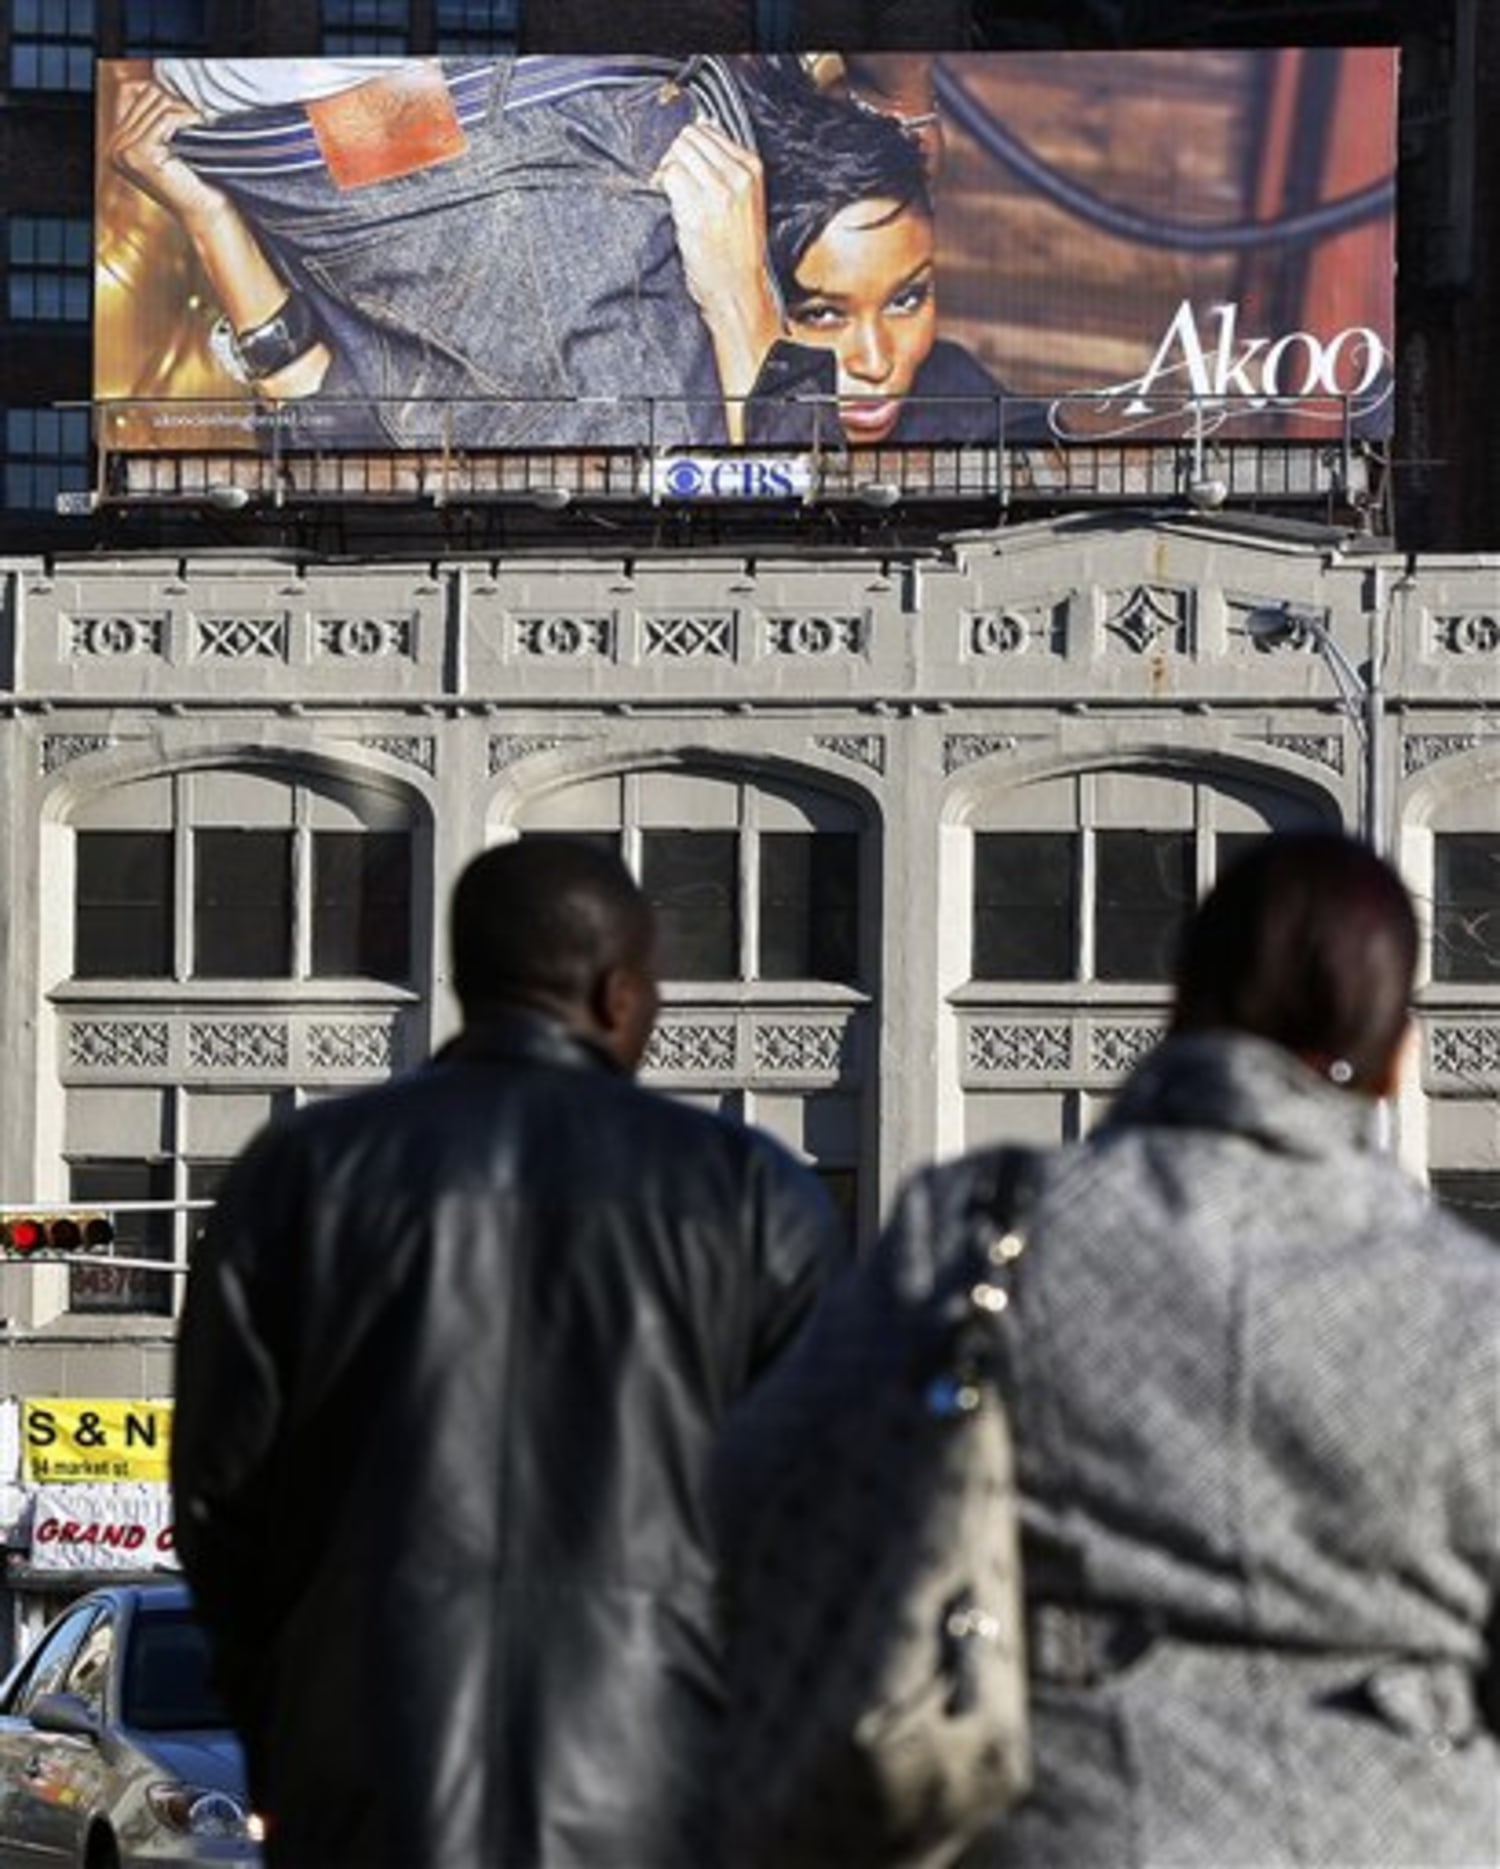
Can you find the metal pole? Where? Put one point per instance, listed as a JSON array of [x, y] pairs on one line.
[[1376, 830]]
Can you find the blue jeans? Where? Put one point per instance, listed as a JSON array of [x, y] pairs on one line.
[[527, 293]]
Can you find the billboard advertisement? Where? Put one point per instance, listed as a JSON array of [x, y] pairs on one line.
[[539, 252]]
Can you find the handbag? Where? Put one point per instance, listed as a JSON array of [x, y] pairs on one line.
[[878, 1693]]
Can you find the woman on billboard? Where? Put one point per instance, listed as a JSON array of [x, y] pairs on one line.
[[825, 241]]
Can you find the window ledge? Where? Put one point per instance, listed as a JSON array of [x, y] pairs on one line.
[[257, 993], [1072, 995], [675, 993]]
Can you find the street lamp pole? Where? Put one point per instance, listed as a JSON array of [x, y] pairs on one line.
[[1361, 697]]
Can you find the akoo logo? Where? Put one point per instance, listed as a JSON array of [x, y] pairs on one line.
[[1202, 384], [731, 477]]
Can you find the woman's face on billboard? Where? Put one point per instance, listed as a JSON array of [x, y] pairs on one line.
[[866, 291]]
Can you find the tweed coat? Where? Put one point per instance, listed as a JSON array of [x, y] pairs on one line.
[[1254, 1376]]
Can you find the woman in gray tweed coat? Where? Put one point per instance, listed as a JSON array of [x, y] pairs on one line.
[[1254, 1376]]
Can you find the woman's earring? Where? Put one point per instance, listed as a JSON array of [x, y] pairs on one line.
[[1341, 1072]]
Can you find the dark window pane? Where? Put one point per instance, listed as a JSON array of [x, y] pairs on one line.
[[475, 25], [809, 905], [1143, 891], [102, 1286], [1466, 907], [1473, 1194], [361, 904], [242, 905], [691, 881], [165, 26], [607, 841], [122, 928], [1025, 905]]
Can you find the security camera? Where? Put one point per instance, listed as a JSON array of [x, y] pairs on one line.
[[1209, 494]]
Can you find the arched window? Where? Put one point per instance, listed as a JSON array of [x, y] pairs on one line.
[[221, 875]]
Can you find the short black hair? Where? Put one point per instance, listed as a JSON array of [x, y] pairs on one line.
[[539, 921], [822, 154], [1308, 939]]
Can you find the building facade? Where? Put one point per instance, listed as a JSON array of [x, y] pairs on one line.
[[920, 829]]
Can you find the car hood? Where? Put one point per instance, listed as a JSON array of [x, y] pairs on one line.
[[212, 1759]]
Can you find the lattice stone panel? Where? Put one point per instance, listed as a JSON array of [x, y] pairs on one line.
[[1018, 1050], [248, 1045], [1115, 1050], [694, 636], [693, 1048], [242, 639], [123, 1045], [112, 637], [350, 1046], [815, 634], [1467, 1051], [799, 1048]]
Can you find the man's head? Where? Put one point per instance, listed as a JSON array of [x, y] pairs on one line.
[[1309, 940], [561, 928]]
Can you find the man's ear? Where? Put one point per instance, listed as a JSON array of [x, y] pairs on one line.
[[623, 1005]]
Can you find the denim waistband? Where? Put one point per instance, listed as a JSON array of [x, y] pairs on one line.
[[280, 140]]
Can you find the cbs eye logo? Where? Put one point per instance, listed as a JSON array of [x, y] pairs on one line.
[[684, 479]]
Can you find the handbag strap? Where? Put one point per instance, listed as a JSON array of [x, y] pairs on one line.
[[996, 1216], [994, 1223]]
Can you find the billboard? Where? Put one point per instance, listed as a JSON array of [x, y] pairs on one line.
[[559, 252]]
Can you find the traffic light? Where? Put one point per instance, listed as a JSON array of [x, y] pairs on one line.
[[40, 1235]]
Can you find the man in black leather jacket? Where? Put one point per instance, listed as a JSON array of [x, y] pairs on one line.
[[452, 1361]]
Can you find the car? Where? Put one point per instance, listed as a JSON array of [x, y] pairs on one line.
[[115, 1752]]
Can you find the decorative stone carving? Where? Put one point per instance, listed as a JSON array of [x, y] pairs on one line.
[[1468, 1051], [506, 748], [962, 749], [351, 1045], [59, 749], [815, 634], [118, 1044], [1149, 617], [1018, 1050], [365, 639], [416, 749], [118, 636], [689, 637], [238, 1045], [1419, 750], [1327, 749], [1468, 633], [1002, 632], [1115, 1050], [576, 638], [863, 749], [239, 639], [800, 1048], [689, 1048]]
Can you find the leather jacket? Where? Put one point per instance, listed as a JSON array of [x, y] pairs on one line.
[[452, 1362]]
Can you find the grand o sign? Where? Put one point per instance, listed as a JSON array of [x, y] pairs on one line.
[[101, 1528]]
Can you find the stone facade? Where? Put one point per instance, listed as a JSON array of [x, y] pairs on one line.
[[1073, 677]]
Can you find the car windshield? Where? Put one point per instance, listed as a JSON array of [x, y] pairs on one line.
[[166, 1686]]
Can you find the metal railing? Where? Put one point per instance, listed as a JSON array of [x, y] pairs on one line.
[[549, 455]]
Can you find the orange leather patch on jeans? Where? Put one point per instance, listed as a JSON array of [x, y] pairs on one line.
[[388, 127]]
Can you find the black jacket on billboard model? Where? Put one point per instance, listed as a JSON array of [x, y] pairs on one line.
[[450, 1369], [953, 401]]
